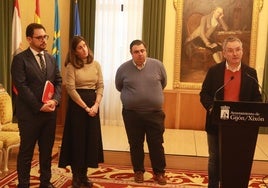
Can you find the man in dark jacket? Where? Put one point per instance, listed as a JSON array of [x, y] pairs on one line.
[[30, 70], [240, 85]]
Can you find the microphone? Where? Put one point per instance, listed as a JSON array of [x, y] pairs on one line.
[[220, 88], [262, 90]]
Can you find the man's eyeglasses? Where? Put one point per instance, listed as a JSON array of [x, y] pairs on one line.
[[40, 38]]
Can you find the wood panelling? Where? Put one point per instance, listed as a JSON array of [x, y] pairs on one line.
[[62, 107], [183, 110], [170, 107], [191, 112]]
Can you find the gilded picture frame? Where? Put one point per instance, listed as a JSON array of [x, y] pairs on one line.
[[192, 78]]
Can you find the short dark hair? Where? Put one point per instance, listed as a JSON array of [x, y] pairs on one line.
[[136, 42], [31, 27]]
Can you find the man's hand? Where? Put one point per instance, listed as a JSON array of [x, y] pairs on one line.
[[50, 106]]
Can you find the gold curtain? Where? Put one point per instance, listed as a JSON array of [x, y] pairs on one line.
[[6, 13], [153, 28], [87, 9]]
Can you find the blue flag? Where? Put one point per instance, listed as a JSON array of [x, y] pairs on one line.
[[77, 30], [56, 38]]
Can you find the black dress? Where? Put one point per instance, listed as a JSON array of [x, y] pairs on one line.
[[82, 142]]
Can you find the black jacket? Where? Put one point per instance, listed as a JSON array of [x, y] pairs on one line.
[[249, 89]]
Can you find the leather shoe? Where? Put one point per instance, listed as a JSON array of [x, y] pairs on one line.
[[160, 179], [85, 182], [138, 177], [81, 182], [50, 185]]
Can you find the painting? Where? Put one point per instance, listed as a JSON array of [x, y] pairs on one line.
[[201, 27]]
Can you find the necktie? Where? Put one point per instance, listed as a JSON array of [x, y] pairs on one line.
[[42, 63]]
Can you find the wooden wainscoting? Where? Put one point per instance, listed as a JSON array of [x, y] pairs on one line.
[[62, 107], [184, 110]]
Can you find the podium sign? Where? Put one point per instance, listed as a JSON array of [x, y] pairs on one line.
[[240, 113], [238, 131]]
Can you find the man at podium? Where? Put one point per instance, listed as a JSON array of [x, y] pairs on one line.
[[230, 80]]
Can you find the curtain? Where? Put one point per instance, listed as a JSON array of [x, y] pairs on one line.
[[118, 23], [154, 27], [87, 19], [6, 13]]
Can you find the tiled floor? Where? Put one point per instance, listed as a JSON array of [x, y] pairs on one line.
[[177, 142]]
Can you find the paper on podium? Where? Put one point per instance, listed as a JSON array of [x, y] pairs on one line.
[[48, 91]]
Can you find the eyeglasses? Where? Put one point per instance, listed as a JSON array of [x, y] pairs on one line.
[[40, 38]]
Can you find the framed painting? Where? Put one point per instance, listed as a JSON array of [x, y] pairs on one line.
[[201, 24]]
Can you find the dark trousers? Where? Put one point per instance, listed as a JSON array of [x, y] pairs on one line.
[[149, 124], [213, 161], [39, 129]]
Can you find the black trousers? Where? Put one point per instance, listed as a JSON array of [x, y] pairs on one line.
[[38, 129], [139, 125]]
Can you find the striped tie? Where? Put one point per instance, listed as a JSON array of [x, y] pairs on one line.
[[42, 63]]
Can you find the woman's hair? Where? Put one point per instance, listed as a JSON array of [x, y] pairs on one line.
[[73, 58]]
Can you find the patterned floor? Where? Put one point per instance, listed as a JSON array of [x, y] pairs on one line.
[[107, 176]]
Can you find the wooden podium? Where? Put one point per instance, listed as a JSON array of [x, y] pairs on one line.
[[239, 124]]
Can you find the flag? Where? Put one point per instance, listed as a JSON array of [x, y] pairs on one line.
[[77, 30], [37, 12], [16, 30], [56, 37], [16, 36]]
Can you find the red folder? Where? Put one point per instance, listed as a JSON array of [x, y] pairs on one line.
[[48, 91]]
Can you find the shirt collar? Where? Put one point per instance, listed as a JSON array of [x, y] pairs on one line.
[[35, 52], [143, 65], [233, 69]]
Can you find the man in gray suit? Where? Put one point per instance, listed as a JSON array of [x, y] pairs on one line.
[[30, 70]]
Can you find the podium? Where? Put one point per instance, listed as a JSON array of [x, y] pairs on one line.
[[239, 124]]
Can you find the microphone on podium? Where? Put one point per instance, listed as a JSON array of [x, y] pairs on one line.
[[262, 90], [220, 88]]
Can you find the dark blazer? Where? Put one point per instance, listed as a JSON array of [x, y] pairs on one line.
[[214, 79], [29, 82]]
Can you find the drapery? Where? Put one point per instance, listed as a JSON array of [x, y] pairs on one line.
[[153, 30], [117, 24], [87, 19], [6, 13]]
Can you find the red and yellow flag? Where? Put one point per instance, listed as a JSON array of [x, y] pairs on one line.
[[37, 12]]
